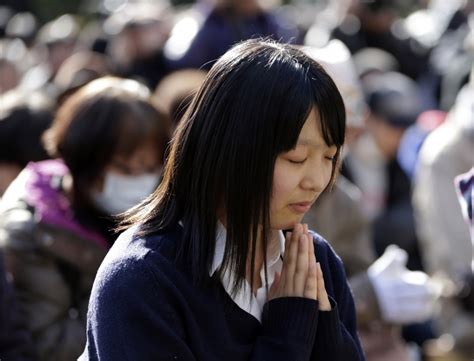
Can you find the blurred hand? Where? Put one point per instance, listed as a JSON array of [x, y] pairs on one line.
[[301, 276], [404, 296]]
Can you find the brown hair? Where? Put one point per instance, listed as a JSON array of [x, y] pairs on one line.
[[106, 117]]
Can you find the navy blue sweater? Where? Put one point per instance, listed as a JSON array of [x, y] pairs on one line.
[[144, 306]]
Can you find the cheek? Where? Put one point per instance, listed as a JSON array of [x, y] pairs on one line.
[[284, 183]]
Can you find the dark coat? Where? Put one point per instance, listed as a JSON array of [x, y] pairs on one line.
[[52, 258], [15, 339]]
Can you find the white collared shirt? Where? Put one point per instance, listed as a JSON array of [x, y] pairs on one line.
[[245, 299]]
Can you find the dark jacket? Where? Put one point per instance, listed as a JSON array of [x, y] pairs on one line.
[[144, 306], [15, 339], [52, 258]]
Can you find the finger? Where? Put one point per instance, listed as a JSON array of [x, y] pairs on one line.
[[291, 255], [301, 270], [311, 287], [311, 253], [324, 304]]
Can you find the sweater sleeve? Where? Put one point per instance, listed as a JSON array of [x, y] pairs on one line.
[[293, 331], [336, 337], [123, 323], [289, 329]]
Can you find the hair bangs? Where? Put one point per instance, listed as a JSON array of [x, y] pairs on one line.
[[139, 123], [330, 107]]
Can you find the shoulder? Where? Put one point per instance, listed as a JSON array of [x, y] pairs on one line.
[[18, 226], [324, 251], [34, 211], [335, 280], [137, 260], [438, 145], [331, 265], [136, 275]]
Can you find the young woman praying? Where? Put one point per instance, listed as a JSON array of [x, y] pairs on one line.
[[215, 265]]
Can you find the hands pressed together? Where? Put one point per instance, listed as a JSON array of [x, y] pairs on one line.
[[301, 274]]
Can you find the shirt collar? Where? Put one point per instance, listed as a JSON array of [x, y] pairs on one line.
[[275, 249], [245, 299]]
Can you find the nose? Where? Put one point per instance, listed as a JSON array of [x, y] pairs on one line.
[[316, 178]]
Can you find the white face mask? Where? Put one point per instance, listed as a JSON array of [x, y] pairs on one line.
[[121, 192]]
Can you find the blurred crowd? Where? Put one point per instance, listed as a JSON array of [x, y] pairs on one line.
[[89, 102]]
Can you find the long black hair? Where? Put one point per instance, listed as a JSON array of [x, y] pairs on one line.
[[250, 108]]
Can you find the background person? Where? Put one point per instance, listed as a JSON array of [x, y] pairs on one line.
[[23, 119], [55, 224]]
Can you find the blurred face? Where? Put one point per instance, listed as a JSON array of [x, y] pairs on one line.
[[301, 175], [9, 77], [128, 180], [385, 136], [59, 52]]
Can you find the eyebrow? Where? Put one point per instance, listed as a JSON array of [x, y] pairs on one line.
[[313, 144]]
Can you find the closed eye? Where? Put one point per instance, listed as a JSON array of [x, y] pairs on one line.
[[297, 161]]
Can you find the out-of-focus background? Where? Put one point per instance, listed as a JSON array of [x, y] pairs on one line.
[[400, 214]]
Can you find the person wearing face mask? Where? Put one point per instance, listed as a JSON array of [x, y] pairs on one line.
[[108, 142]]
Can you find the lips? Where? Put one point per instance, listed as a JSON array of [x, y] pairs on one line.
[[301, 207]]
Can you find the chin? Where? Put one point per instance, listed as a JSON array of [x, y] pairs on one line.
[[289, 223]]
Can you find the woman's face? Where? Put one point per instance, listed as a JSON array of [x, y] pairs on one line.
[[128, 180], [300, 175]]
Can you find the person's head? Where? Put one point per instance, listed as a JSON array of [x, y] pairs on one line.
[[175, 91], [24, 26], [59, 38], [377, 16], [77, 70], [9, 75], [336, 59], [258, 144], [23, 119], [137, 31], [113, 141], [370, 61], [394, 103]]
